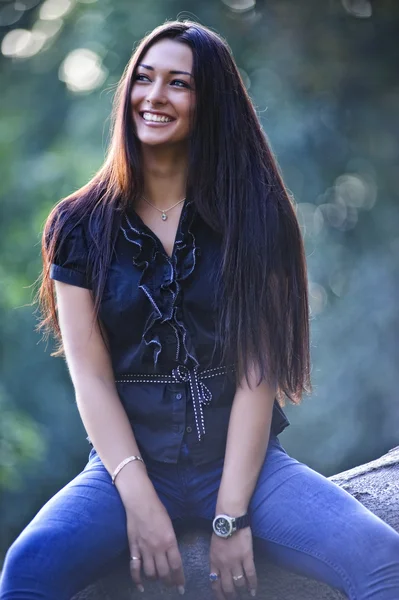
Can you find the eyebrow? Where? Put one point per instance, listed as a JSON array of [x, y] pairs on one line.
[[171, 72]]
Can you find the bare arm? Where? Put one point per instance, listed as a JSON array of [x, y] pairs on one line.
[[247, 440], [100, 408], [149, 528]]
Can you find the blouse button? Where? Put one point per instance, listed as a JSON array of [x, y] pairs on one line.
[[189, 429], [178, 396]]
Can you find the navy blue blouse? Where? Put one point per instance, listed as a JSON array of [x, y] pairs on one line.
[[159, 313]]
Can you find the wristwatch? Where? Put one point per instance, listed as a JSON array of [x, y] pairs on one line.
[[224, 526]]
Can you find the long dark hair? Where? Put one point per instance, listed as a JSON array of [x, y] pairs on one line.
[[235, 183]]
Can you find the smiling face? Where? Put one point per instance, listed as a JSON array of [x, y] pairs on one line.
[[162, 96]]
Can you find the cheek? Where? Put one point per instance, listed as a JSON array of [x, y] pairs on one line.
[[188, 112], [135, 98]]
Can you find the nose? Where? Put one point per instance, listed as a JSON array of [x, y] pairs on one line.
[[156, 94]]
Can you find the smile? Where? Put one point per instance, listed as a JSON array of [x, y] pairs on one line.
[[154, 118]]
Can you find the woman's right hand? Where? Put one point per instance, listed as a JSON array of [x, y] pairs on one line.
[[152, 539]]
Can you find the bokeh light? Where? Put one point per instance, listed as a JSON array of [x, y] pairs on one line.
[[358, 8], [338, 282], [55, 9], [356, 190], [21, 43], [245, 78], [317, 298], [310, 219], [82, 70], [10, 14], [351, 192], [240, 5]]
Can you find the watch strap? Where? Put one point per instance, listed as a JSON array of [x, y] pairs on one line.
[[242, 522]]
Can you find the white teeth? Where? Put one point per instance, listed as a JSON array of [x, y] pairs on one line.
[[157, 118]]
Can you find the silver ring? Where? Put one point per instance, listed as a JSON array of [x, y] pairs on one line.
[[237, 577], [213, 576], [135, 558]]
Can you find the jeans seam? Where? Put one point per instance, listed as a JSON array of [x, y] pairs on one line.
[[315, 554]]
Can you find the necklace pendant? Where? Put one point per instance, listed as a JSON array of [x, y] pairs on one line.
[[164, 216]]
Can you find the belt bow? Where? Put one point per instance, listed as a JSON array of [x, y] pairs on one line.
[[201, 395]]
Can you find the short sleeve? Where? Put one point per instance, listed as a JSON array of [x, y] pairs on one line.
[[70, 260]]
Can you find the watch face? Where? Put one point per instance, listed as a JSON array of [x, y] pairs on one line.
[[222, 526]]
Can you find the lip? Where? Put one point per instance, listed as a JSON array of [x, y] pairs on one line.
[[154, 123]]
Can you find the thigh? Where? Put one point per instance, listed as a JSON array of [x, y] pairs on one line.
[[310, 525], [77, 534]]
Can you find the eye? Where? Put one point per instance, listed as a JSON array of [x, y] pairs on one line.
[[180, 83], [141, 77]]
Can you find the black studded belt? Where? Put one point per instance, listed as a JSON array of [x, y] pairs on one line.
[[200, 394]]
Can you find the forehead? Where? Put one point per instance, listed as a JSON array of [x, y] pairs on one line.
[[169, 55]]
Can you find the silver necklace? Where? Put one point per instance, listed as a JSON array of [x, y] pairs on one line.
[[164, 216]]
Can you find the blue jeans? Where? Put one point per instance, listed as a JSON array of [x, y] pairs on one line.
[[304, 522]]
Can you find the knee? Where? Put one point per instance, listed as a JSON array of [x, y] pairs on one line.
[[23, 562], [9, 575]]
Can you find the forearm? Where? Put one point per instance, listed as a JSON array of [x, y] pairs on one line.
[[110, 431], [247, 440]]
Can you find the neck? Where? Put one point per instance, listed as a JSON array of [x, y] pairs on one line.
[[165, 175]]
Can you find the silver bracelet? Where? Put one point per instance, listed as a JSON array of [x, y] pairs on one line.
[[123, 464]]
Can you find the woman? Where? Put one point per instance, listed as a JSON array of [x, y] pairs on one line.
[[182, 309]]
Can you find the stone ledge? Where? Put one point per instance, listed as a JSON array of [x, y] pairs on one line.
[[375, 484]]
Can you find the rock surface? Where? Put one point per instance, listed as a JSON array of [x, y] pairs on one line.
[[375, 484]]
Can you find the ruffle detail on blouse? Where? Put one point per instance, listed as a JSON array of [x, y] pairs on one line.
[[161, 278]]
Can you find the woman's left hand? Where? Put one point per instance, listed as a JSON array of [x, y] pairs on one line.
[[231, 558]]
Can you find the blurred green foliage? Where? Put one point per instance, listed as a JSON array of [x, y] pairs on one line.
[[323, 76], [20, 442]]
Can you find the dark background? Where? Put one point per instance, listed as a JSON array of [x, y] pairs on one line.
[[324, 78]]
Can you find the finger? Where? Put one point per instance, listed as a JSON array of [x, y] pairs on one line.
[[217, 590], [227, 584], [135, 567], [239, 579], [149, 566], [250, 574], [176, 567], [217, 585], [163, 571]]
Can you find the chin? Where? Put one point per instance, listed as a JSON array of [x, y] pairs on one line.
[[147, 141], [153, 141]]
